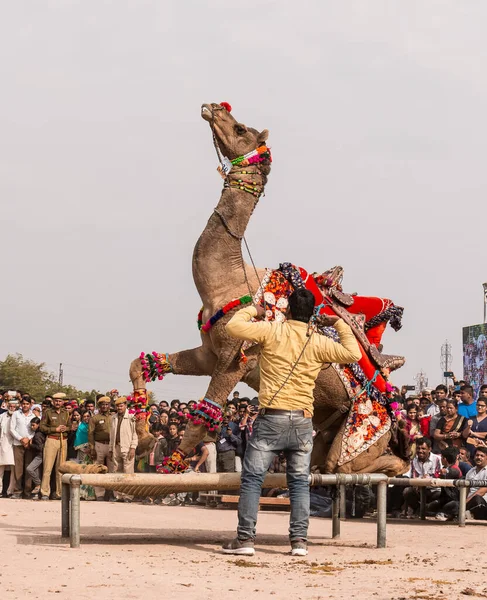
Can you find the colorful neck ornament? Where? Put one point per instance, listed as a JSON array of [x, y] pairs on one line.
[[221, 313], [254, 157]]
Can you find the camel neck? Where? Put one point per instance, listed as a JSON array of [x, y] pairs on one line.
[[217, 257]]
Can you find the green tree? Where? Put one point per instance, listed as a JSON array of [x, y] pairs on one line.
[[21, 374]]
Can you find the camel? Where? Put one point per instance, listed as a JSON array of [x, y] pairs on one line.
[[221, 275]]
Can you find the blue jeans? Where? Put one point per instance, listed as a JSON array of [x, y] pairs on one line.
[[272, 434]]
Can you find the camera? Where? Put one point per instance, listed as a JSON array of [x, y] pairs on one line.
[[448, 374], [410, 388]]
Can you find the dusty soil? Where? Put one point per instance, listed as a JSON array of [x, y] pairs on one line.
[[134, 551]]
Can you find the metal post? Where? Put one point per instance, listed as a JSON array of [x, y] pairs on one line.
[[335, 515], [343, 502], [381, 514], [65, 510], [462, 507], [74, 516], [422, 505]]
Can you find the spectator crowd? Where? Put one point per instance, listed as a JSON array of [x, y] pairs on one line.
[[36, 438], [447, 430]]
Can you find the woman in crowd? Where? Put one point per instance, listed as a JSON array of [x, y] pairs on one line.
[[75, 421], [81, 437], [413, 425], [164, 418], [449, 428], [476, 430]]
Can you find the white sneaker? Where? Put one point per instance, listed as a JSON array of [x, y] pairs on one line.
[[468, 514], [299, 548], [239, 547], [441, 517]]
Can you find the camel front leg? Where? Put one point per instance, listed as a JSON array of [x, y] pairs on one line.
[[205, 421], [197, 361]]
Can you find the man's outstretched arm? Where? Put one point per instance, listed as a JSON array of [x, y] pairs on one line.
[[343, 352], [241, 326]]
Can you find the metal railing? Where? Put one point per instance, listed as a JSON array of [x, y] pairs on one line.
[[147, 484]]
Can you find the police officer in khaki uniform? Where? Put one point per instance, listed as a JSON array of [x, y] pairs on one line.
[[55, 424], [99, 438]]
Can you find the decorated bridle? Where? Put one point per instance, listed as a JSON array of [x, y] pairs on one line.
[[254, 157], [246, 185]]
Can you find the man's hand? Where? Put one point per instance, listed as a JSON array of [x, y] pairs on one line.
[[326, 320], [196, 469], [61, 428], [131, 454], [24, 441], [260, 311]]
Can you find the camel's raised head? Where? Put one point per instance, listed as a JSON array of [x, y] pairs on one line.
[[233, 138]]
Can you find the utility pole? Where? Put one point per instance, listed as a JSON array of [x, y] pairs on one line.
[[421, 381], [484, 285], [446, 359], [60, 374]]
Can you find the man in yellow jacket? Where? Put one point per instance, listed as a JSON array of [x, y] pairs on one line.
[[290, 362]]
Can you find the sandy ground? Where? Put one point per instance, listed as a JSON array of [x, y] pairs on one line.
[[134, 551]]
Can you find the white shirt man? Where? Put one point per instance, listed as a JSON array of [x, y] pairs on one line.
[[22, 434], [6, 445]]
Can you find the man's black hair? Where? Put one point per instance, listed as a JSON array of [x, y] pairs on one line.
[[467, 388], [450, 455], [441, 388], [302, 305], [423, 440]]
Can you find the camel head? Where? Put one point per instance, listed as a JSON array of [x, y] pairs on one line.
[[233, 138]]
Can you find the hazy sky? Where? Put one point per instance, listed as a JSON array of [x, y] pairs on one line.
[[376, 112]]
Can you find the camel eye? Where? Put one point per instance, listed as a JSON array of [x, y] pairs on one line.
[[240, 129]]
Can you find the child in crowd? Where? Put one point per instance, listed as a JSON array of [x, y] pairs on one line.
[[160, 449], [450, 470], [34, 468], [173, 439]]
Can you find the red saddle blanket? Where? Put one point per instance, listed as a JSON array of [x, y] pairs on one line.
[[275, 290]]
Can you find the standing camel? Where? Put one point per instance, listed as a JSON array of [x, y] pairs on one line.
[[221, 275]]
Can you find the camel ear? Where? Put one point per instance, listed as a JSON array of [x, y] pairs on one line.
[[263, 135]]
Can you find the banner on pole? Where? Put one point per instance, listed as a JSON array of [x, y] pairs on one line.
[[475, 355]]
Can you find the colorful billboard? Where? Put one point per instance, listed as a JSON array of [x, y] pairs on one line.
[[475, 355]]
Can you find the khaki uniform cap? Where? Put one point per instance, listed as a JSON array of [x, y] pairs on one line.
[[59, 396], [104, 399], [121, 400]]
